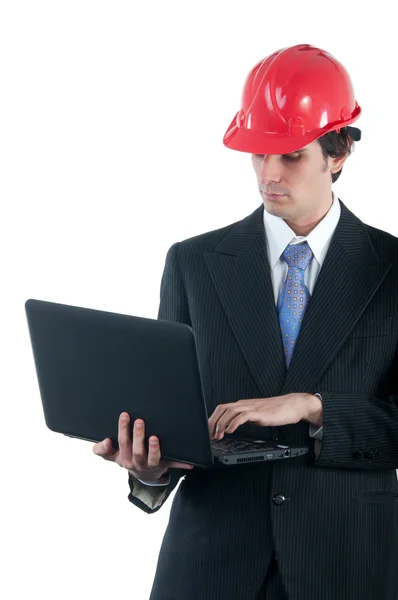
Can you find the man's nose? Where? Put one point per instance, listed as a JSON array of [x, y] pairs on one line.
[[270, 169]]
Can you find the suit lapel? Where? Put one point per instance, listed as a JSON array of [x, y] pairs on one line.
[[348, 279], [241, 275]]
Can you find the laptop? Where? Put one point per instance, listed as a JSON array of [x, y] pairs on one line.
[[92, 365]]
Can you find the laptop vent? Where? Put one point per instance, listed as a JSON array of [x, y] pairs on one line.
[[251, 459]]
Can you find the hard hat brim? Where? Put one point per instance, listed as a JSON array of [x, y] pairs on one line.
[[253, 142]]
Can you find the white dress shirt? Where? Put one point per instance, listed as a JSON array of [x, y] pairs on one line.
[[278, 236]]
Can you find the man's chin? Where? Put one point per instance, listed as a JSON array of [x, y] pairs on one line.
[[271, 209]]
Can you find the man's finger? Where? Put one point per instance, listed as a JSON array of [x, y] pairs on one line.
[[154, 452], [229, 415], [138, 446], [173, 464], [124, 440], [216, 416], [102, 448]]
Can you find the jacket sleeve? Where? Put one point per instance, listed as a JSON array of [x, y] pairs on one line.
[[360, 431], [173, 307]]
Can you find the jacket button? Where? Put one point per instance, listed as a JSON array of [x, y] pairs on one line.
[[278, 499], [358, 454], [368, 454]]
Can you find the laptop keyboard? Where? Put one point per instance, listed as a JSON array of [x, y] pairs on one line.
[[232, 446]]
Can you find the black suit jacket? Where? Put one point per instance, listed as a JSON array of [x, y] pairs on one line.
[[332, 521]]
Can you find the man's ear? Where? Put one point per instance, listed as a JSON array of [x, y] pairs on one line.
[[337, 163]]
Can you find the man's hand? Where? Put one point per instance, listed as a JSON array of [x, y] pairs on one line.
[[266, 412], [132, 454]]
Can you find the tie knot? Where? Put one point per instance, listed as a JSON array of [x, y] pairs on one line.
[[298, 255]]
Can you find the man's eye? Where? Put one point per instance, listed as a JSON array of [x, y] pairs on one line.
[[284, 156], [290, 157]]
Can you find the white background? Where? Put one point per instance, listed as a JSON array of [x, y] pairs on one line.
[[112, 118]]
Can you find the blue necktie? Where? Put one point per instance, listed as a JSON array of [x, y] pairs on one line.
[[294, 296]]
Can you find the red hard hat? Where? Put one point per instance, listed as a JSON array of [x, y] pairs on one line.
[[290, 99]]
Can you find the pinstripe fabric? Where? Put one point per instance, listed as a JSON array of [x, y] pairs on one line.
[[272, 588], [335, 533]]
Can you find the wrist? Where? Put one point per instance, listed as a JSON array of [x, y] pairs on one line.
[[314, 412]]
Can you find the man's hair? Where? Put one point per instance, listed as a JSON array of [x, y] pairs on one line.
[[336, 145]]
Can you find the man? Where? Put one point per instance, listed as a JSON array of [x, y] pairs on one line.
[[295, 313]]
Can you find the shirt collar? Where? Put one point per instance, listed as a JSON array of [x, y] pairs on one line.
[[278, 234]]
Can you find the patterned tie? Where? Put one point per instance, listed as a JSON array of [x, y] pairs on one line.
[[294, 296]]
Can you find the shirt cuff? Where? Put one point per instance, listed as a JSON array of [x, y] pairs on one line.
[[315, 431], [152, 483]]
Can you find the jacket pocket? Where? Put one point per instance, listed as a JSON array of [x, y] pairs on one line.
[[382, 496], [372, 328]]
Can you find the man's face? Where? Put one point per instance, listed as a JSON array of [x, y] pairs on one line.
[[304, 180]]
